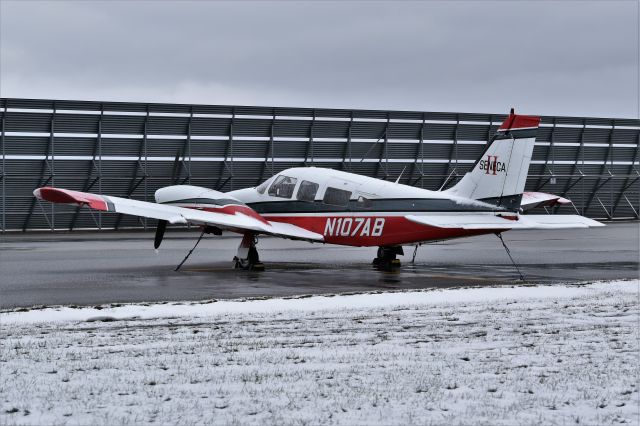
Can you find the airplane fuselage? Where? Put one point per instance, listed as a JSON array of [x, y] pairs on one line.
[[346, 208]]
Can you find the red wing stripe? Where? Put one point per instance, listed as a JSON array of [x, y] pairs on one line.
[[232, 209], [66, 196]]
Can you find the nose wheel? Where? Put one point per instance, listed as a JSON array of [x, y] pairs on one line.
[[386, 258], [247, 257]]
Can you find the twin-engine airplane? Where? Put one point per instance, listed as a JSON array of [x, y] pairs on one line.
[[329, 206]]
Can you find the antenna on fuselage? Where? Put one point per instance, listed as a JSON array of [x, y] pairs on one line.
[[403, 169]]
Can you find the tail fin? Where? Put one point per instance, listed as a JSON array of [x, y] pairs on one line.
[[499, 175]]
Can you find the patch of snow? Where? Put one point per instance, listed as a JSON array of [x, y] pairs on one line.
[[498, 356], [314, 303]]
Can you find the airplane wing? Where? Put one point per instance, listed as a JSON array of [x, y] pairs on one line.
[[240, 221], [539, 199], [491, 222]]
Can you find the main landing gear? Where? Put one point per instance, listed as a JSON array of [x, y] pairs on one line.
[[247, 256], [386, 258]]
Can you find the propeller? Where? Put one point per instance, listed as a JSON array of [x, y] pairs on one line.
[[162, 226]]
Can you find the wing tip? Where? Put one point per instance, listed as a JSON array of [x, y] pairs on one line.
[[67, 196]]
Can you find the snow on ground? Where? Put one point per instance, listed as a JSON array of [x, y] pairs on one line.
[[522, 355]]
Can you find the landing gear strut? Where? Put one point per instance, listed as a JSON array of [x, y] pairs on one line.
[[386, 258], [247, 255]]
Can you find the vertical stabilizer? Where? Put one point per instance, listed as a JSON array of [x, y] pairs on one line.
[[499, 175]]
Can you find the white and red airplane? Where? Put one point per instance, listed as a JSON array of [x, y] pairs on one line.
[[329, 206]]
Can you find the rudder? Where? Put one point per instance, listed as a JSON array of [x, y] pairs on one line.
[[499, 175]]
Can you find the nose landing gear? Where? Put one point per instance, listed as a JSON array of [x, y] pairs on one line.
[[247, 256], [386, 258]]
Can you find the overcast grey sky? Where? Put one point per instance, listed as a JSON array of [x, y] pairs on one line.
[[544, 57]]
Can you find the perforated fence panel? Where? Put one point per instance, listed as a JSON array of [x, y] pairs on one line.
[[131, 149]]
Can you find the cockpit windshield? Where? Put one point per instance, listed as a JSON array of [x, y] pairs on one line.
[[263, 186]]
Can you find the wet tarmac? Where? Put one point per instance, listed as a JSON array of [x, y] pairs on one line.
[[89, 268]]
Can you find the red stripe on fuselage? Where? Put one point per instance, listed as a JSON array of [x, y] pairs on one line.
[[353, 230], [361, 231]]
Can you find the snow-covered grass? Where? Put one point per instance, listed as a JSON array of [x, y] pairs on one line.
[[523, 355]]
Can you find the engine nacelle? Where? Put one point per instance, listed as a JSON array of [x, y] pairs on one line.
[[188, 194]]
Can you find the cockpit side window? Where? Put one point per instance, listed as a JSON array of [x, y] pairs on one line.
[[307, 191], [263, 186], [283, 187], [336, 197]]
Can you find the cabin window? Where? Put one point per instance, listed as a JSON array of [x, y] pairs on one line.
[[283, 187], [307, 191], [336, 197], [263, 186]]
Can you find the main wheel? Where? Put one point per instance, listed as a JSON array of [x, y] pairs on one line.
[[253, 257], [386, 258], [251, 263]]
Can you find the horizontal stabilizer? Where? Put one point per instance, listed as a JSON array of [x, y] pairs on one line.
[[465, 221], [531, 200], [557, 221], [490, 222]]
